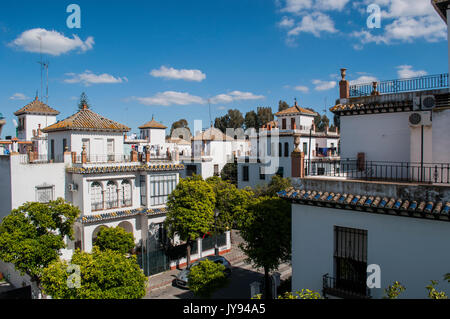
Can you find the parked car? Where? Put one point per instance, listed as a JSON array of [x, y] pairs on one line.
[[182, 277]]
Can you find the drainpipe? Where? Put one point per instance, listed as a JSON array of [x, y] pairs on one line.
[[421, 154], [309, 151]]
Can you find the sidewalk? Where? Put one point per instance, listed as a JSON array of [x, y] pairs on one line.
[[165, 279]]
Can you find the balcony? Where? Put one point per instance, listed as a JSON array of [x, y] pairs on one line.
[[406, 172], [422, 83], [345, 289]]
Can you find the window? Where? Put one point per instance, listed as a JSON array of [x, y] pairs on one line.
[[160, 188], [126, 193], [350, 259], [64, 145], [280, 150], [286, 149], [262, 176], [52, 149], [44, 194], [245, 173], [305, 148], [280, 171], [111, 200], [292, 123], [96, 197], [191, 170], [143, 188], [283, 124], [110, 149]]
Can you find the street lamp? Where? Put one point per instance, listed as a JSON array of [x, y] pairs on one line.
[[216, 248]]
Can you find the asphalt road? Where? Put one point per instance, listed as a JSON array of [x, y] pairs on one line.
[[238, 286]]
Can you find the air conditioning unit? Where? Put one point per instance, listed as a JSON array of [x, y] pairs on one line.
[[73, 187], [424, 102], [420, 118]]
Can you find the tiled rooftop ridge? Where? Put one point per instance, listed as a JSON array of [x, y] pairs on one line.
[[374, 204]]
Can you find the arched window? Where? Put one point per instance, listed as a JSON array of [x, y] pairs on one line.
[[96, 197], [111, 195], [126, 193]]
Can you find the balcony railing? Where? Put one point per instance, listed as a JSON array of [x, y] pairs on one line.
[[346, 289], [438, 173], [428, 82], [103, 158]]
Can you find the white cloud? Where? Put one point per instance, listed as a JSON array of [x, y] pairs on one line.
[[180, 98], [331, 4], [406, 71], [286, 22], [174, 74], [53, 42], [170, 98], [302, 88], [89, 78], [295, 6], [235, 96], [314, 23], [18, 96], [363, 79], [404, 21], [323, 85]]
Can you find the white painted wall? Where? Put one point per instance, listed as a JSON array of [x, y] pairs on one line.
[[441, 136], [382, 137], [409, 250], [32, 122]]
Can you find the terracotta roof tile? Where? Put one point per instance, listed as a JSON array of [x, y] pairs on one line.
[[153, 124], [412, 208], [294, 110], [85, 119], [212, 134], [36, 107]]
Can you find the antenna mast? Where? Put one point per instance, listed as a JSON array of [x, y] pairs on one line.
[[45, 65], [209, 106]]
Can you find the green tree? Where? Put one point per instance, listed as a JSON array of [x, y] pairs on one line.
[[251, 120], [276, 184], [32, 235], [267, 235], [105, 274], [394, 290], [229, 173], [83, 101], [233, 119], [190, 211], [282, 105], [206, 277], [115, 238], [265, 115], [231, 203]]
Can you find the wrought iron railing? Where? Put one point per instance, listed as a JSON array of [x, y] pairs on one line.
[[344, 288], [428, 82], [438, 173]]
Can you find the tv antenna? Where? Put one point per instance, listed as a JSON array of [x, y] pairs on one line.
[[44, 65], [209, 107]]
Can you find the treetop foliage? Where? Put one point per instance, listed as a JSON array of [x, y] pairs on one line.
[[115, 238], [104, 274], [32, 235]]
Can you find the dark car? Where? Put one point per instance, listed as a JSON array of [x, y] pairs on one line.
[[182, 278]]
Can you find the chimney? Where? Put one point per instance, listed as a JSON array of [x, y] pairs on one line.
[[344, 87]]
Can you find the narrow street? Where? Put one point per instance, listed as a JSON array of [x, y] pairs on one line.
[[238, 286]]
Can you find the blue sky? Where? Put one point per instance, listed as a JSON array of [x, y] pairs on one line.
[[135, 59]]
